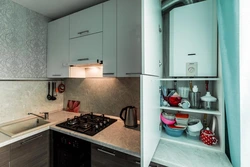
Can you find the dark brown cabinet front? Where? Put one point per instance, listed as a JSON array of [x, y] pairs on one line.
[[31, 152], [5, 156], [103, 157]]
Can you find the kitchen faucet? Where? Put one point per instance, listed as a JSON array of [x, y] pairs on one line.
[[46, 115]]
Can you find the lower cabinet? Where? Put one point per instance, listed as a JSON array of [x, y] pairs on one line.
[[103, 157], [5, 156], [31, 152]]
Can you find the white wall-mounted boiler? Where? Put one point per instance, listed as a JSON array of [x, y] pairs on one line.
[[193, 40]]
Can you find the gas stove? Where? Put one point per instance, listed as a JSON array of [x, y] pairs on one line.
[[89, 124]]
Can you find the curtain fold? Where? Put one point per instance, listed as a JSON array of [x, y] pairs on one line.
[[228, 26]]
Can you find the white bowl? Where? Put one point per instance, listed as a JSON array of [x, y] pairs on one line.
[[194, 125]]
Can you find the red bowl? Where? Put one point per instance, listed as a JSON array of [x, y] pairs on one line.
[[173, 100]]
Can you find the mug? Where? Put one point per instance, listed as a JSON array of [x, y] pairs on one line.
[[184, 104]]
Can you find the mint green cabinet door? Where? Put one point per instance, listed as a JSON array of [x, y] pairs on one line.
[[58, 48]]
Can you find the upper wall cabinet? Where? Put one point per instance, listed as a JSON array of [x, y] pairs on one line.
[[86, 36], [86, 22], [58, 48], [109, 38], [193, 40], [129, 38]]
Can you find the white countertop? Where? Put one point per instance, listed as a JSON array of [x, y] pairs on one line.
[[119, 138]]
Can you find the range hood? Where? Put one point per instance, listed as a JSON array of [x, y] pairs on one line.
[[86, 69]]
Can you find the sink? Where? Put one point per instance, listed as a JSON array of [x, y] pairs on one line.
[[18, 127]]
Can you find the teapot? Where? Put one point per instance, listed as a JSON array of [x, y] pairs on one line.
[[208, 137], [129, 116]]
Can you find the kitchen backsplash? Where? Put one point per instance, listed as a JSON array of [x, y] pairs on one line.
[[23, 42], [20, 97], [103, 95]]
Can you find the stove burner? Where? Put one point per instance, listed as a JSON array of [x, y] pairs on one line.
[[89, 124], [84, 125], [72, 122]]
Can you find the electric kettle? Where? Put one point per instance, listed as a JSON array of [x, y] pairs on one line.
[[129, 116]]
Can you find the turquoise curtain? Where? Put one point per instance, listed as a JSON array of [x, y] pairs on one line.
[[228, 26]]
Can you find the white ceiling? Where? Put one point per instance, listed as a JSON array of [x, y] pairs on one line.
[[57, 8]]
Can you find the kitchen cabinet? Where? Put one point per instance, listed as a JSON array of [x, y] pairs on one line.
[[86, 36], [31, 151], [58, 48], [86, 22], [5, 156], [103, 157], [149, 84], [109, 38], [151, 130], [193, 40], [129, 57]]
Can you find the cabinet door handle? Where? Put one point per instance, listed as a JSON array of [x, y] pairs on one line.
[[83, 32], [58, 75], [137, 162], [31, 139], [109, 73], [133, 73], [106, 152], [83, 59]]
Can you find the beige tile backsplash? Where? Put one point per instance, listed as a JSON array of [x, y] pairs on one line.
[[20, 97], [103, 95]]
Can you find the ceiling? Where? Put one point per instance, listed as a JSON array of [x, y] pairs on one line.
[[55, 9]]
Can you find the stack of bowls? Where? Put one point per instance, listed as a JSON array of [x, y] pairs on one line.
[[193, 129], [168, 124]]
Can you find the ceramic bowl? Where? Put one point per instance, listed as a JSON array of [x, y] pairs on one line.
[[167, 121]]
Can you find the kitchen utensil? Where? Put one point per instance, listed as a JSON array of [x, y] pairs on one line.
[[208, 137], [184, 104], [194, 97], [175, 131], [168, 116], [194, 125], [167, 121], [55, 89], [49, 96], [61, 88], [173, 100], [52, 92], [183, 92], [181, 119], [207, 101], [129, 116]]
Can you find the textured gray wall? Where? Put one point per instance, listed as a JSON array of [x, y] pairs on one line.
[[23, 36], [103, 95], [23, 40]]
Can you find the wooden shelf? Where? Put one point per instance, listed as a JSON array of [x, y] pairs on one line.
[[184, 140], [189, 79], [201, 111]]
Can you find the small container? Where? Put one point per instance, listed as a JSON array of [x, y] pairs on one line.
[[182, 119], [175, 132]]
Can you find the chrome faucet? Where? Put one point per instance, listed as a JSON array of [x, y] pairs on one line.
[[46, 115]]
